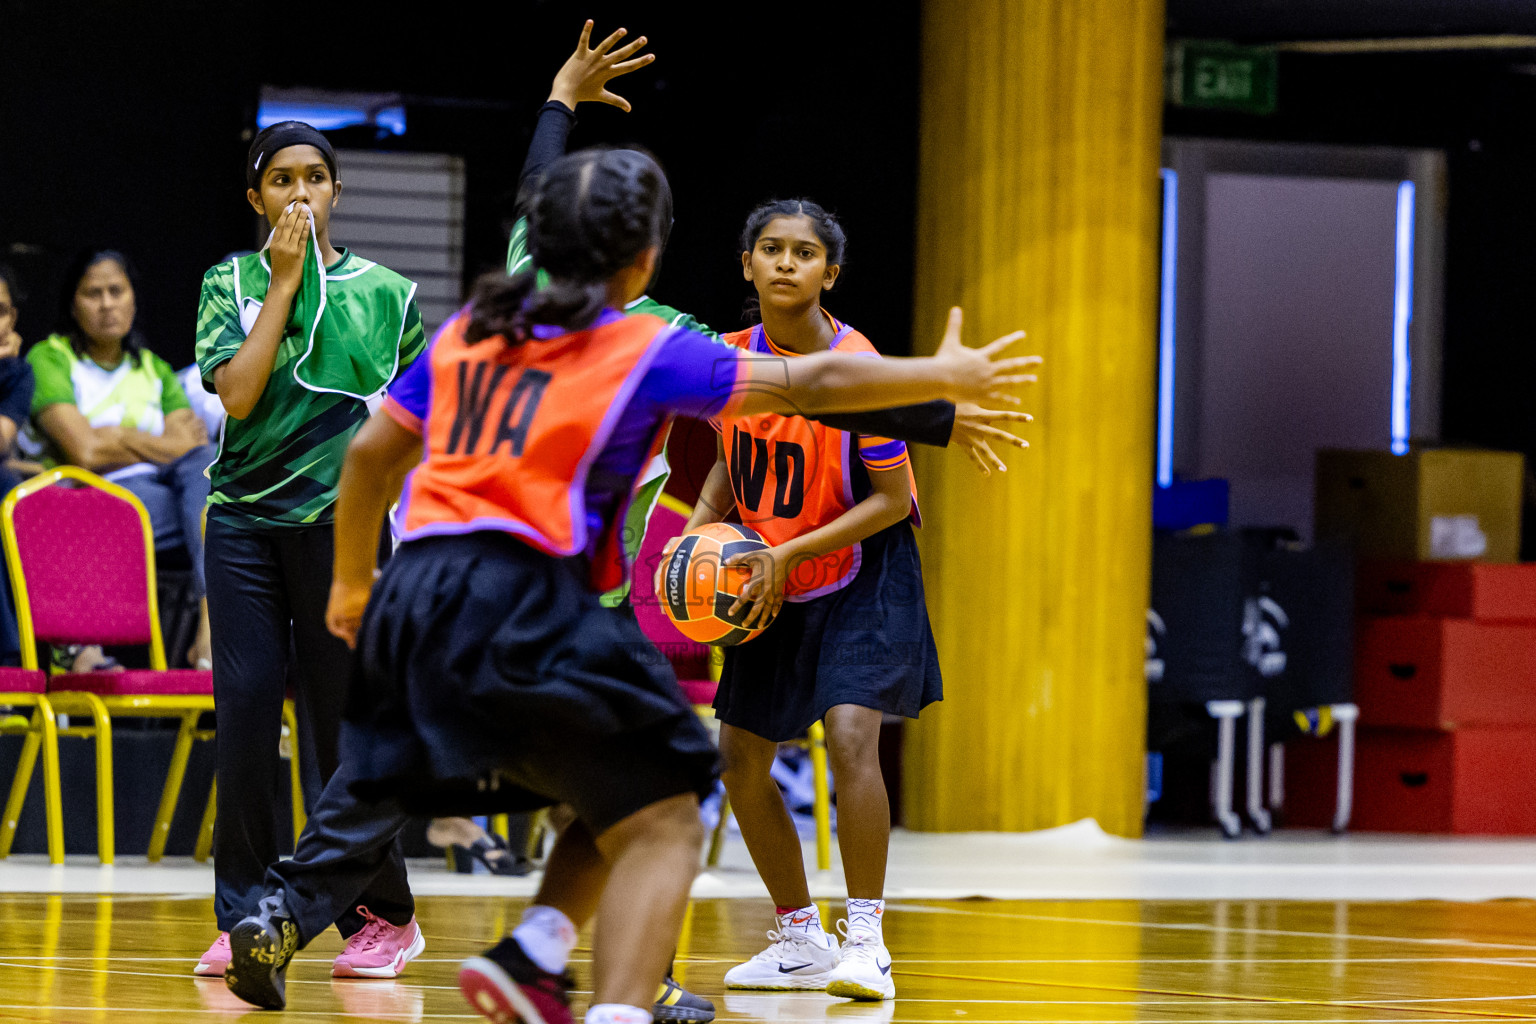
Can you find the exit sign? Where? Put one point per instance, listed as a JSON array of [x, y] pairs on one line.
[[1221, 76]]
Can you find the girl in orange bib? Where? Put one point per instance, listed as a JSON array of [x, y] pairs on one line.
[[851, 639], [489, 676]]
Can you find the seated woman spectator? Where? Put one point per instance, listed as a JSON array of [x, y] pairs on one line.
[[105, 402]]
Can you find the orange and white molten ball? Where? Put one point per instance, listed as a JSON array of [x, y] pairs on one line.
[[698, 589]]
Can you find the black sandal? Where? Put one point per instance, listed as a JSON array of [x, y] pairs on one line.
[[493, 852]]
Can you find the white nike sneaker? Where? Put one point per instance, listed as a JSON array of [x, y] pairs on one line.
[[863, 969], [797, 959]]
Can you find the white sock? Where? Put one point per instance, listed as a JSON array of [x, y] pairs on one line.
[[617, 1013], [866, 916], [802, 919], [547, 937]]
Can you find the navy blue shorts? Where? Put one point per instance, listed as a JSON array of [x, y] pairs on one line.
[[869, 644], [488, 678]]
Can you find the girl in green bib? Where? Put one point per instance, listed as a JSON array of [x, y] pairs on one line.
[[295, 340]]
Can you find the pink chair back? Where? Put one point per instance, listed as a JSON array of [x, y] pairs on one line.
[[689, 658], [86, 566]]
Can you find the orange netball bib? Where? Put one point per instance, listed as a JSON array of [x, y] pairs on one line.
[[791, 475], [512, 431]]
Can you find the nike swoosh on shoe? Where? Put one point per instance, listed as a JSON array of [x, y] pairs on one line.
[[792, 968], [885, 969]]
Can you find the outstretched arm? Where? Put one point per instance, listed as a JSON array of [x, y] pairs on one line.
[[827, 382], [940, 424], [929, 423], [550, 133], [583, 78]]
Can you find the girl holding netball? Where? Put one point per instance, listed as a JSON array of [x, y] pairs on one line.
[[488, 675], [849, 639]]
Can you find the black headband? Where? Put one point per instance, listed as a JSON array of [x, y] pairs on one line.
[[281, 136]]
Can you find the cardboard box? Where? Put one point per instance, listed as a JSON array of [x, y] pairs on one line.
[[1453, 590], [1478, 781], [1443, 504], [1426, 673]]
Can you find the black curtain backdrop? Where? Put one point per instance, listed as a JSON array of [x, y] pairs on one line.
[[126, 124]]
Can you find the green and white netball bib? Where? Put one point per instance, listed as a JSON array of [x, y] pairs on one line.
[[348, 319]]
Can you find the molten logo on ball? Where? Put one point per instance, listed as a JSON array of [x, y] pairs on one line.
[[698, 589]]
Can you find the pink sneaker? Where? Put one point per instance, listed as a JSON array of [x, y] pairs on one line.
[[215, 960], [379, 950]]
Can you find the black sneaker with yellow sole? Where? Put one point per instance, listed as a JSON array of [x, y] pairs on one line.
[[260, 947], [676, 1005]]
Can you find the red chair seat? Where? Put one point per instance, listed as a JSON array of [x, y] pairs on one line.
[[176, 682], [689, 658], [22, 680], [699, 691]]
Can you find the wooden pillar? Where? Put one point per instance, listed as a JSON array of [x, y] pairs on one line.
[[1038, 209]]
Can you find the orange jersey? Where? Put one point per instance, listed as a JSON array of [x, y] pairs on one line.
[[791, 475], [512, 432]]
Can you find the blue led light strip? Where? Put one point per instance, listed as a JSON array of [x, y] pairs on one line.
[[330, 116], [1402, 317], [1165, 339]]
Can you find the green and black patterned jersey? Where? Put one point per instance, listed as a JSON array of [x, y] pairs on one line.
[[279, 466]]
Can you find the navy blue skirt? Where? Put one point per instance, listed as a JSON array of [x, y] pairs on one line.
[[869, 644], [488, 678]]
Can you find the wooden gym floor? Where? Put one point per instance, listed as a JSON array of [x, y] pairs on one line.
[[127, 958]]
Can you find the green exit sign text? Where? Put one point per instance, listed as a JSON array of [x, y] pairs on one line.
[[1221, 76]]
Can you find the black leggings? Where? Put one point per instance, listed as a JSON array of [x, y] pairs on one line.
[[348, 856], [267, 588]]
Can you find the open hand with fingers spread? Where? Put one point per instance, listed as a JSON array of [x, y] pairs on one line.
[[586, 73], [975, 430], [982, 374]]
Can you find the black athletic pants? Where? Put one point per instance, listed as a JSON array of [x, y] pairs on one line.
[[267, 589], [349, 855]]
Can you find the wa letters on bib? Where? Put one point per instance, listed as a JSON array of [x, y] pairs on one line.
[[512, 432]]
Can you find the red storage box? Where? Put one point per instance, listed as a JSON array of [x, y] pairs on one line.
[[1489, 593], [1417, 672], [1471, 781]]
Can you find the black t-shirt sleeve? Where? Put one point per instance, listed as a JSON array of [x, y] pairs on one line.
[[930, 423], [550, 133], [16, 387]]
